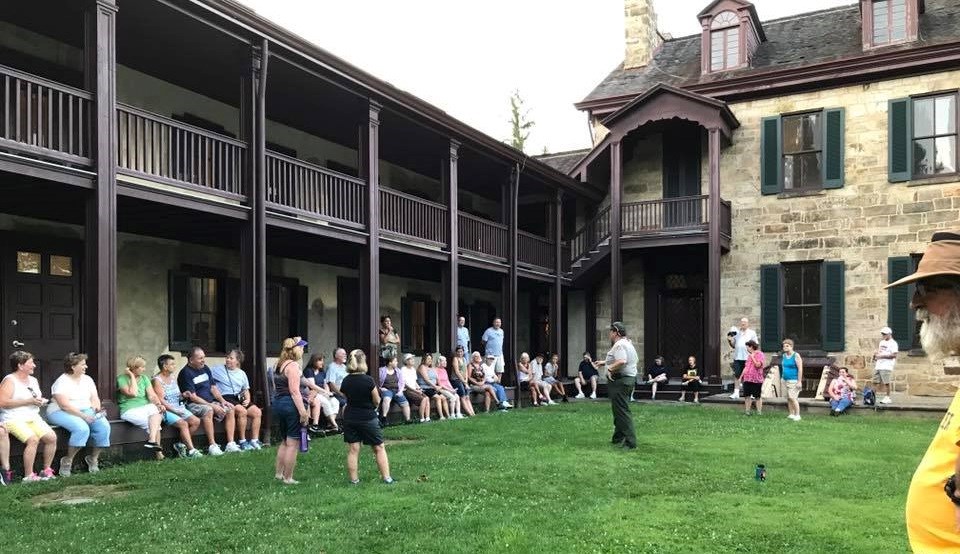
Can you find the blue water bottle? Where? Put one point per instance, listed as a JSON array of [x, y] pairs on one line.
[[304, 439]]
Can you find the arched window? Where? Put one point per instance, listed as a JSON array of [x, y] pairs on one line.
[[724, 41]]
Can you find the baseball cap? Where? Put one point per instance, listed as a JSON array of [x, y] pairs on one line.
[[407, 356], [886, 331]]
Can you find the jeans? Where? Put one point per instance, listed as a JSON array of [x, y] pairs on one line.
[[80, 430], [619, 391], [500, 392], [840, 405], [397, 397]]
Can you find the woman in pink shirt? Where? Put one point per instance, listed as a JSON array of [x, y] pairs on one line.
[[446, 389], [752, 378]]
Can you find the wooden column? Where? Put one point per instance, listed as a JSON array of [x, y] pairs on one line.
[[370, 258], [590, 313], [451, 273], [712, 327], [512, 318], [616, 264], [100, 264], [556, 293]]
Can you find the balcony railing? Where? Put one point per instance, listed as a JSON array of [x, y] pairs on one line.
[[44, 119], [304, 188], [408, 216], [536, 251], [590, 235], [168, 150], [482, 236], [667, 214]]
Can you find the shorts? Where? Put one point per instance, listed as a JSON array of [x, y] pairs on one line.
[[27, 428], [479, 389], [738, 366], [460, 388], [793, 389], [415, 397], [368, 432], [397, 397], [549, 380], [883, 376], [285, 413], [201, 410], [692, 385], [140, 417], [751, 389], [170, 417], [430, 392], [587, 375], [232, 398]]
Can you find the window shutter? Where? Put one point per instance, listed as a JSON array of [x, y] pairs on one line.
[[178, 296], [771, 147], [900, 125], [301, 311], [833, 145], [405, 325], [770, 308], [900, 317], [833, 299], [431, 342], [231, 314]]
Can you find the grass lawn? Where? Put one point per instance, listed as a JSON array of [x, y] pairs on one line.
[[527, 481]]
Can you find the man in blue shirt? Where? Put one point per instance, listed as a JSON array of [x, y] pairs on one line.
[[463, 334], [493, 343], [336, 371], [202, 395]]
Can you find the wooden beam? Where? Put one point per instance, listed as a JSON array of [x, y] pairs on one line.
[[100, 281], [616, 264], [712, 327], [451, 274], [370, 259], [512, 316], [556, 290]]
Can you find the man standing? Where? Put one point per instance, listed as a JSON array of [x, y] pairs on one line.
[[737, 338], [886, 359], [463, 334], [933, 501], [621, 364], [493, 343]]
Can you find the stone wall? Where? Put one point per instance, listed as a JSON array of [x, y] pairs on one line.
[[640, 33], [633, 313]]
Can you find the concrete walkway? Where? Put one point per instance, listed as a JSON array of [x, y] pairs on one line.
[[933, 406]]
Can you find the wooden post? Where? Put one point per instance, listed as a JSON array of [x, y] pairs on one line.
[[100, 267], [451, 277], [512, 317], [712, 327], [370, 259], [556, 293], [616, 265]]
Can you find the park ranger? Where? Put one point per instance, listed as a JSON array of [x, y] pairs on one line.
[[621, 364]]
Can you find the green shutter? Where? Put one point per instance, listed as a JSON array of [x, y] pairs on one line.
[[900, 157], [833, 301], [178, 297], [900, 317], [771, 147], [301, 311], [770, 308], [833, 145], [231, 314]]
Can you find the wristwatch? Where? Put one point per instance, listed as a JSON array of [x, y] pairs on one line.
[[950, 487]]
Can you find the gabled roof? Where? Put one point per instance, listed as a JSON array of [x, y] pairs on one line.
[[563, 161], [743, 4], [792, 42], [664, 89]]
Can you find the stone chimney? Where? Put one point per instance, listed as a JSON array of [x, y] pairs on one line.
[[640, 29]]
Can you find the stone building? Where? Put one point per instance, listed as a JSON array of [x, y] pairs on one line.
[[780, 170]]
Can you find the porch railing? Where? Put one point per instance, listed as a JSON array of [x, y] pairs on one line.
[[408, 216], [315, 191], [590, 235], [42, 118], [482, 236], [535, 250], [165, 149], [690, 212]]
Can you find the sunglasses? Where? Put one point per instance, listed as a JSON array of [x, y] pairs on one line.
[[929, 286]]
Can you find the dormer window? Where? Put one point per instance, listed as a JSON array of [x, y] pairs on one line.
[[889, 21], [725, 41]]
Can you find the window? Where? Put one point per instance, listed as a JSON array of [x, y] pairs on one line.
[[61, 266], [419, 330], [923, 137], [286, 311], [724, 41], [204, 303], [28, 262], [803, 301], [803, 151], [900, 316], [889, 21]]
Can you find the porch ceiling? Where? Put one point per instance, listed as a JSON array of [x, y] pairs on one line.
[[154, 219], [30, 197]]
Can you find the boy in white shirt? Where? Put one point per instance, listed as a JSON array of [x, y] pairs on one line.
[[886, 359]]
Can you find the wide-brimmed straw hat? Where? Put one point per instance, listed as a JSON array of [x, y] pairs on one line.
[[942, 257]]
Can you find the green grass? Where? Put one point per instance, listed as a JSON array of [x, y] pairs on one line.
[[527, 481]]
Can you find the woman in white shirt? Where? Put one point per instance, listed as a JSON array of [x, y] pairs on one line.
[[412, 390], [76, 408], [20, 402]]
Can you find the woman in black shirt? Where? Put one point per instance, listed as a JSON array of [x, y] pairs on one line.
[[360, 423], [691, 380]]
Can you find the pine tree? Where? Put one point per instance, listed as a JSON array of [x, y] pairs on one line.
[[520, 122]]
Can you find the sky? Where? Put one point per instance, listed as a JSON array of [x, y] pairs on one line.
[[467, 57]]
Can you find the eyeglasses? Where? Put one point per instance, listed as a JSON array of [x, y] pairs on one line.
[[929, 286], [33, 392]]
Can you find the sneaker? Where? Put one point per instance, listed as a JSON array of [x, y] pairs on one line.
[[579, 395], [6, 477], [551, 403], [246, 446], [736, 394], [313, 430], [181, 449], [593, 395], [426, 420], [388, 481], [65, 466], [93, 466], [256, 444], [47, 474], [32, 478], [194, 454], [152, 446], [354, 481], [231, 447], [886, 400], [214, 450], [507, 404]]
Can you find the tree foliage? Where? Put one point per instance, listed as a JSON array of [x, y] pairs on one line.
[[520, 122]]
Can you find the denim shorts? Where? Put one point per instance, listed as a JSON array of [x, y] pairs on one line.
[[170, 418], [285, 413], [397, 397]]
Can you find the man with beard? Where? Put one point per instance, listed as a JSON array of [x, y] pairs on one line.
[[933, 502]]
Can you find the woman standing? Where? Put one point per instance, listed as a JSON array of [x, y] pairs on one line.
[[459, 379], [427, 379], [752, 378], [76, 408], [288, 407], [360, 423], [791, 366], [389, 339], [20, 402]]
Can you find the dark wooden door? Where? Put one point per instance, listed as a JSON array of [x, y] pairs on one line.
[[681, 176], [348, 313], [681, 328], [481, 317], [41, 302]]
